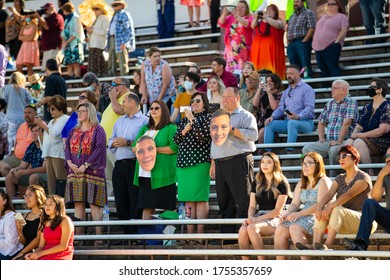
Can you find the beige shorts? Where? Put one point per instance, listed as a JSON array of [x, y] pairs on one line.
[[12, 161], [55, 54]]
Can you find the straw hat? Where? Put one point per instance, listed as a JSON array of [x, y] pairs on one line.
[[101, 7], [34, 78], [121, 2]]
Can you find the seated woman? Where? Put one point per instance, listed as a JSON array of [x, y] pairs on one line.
[[247, 67], [298, 224], [371, 135], [32, 169], [215, 88], [28, 233], [9, 241], [270, 192], [57, 232], [351, 188]]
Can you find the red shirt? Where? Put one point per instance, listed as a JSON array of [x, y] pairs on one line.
[[227, 77], [51, 38]]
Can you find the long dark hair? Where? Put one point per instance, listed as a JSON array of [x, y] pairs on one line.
[[204, 99], [165, 116], [8, 204], [59, 213]]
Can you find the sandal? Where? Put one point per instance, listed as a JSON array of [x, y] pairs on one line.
[[301, 246], [188, 26], [196, 24]]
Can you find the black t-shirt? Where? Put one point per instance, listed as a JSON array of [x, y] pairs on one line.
[[55, 84], [266, 199], [3, 18]]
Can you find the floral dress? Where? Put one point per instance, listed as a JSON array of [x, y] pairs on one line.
[[238, 41], [154, 81], [74, 51]]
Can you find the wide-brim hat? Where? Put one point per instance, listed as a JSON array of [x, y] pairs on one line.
[[122, 2], [254, 75], [101, 7], [34, 78]]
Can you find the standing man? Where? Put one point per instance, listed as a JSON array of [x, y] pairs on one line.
[[373, 211], [233, 131], [338, 119], [120, 39], [300, 31], [373, 13], [120, 87], [166, 20], [295, 112], [125, 130], [55, 84], [51, 26], [218, 66]]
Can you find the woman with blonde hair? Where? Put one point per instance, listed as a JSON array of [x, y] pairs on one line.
[[215, 88], [298, 224], [270, 192], [17, 98], [28, 233]]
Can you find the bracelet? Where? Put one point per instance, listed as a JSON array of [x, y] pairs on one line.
[[85, 165]]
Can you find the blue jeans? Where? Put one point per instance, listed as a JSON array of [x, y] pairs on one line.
[[373, 15], [372, 211], [300, 54], [4, 258], [166, 22], [291, 127], [328, 60]]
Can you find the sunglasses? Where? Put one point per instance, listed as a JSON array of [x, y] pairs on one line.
[[331, 4], [307, 163], [113, 84], [195, 100], [51, 109], [155, 108], [82, 97], [343, 156]]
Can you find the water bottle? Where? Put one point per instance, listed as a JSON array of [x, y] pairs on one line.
[[182, 211], [188, 212], [144, 109], [106, 213], [306, 73]]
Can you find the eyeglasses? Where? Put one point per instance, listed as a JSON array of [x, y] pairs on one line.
[[307, 163], [196, 100], [342, 156], [155, 108], [114, 84], [51, 109], [82, 97], [387, 155], [81, 111], [27, 195], [331, 4], [334, 88]]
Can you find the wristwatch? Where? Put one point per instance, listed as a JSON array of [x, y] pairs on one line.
[[128, 143]]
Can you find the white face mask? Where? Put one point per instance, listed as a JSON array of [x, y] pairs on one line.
[[91, 88], [188, 85]]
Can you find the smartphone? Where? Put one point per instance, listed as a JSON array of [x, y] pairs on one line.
[[288, 112], [262, 80], [19, 217], [182, 108]]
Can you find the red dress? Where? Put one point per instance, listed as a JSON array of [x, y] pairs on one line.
[[53, 238], [268, 50]]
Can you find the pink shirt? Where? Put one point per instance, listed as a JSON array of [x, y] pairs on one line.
[[327, 29], [248, 32]]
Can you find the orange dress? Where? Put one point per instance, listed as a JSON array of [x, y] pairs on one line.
[[29, 51], [268, 50]]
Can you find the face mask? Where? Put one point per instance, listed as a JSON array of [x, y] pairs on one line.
[[371, 92], [188, 85], [28, 20], [91, 88], [36, 86]]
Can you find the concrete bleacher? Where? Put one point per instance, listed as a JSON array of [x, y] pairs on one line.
[[359, 64]]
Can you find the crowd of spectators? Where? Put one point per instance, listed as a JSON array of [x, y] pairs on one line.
[[204, 130]]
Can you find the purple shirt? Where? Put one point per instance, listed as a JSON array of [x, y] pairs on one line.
[[3, 64], [298, 100], [327, 30]]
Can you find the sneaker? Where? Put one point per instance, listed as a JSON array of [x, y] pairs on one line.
[[353, 246]]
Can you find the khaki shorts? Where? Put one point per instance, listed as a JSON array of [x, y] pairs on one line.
[[55, 54], [23, 181], [12, 161]]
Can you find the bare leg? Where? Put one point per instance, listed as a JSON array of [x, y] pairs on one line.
[[191, 15], [4, 168], [202, 212], [147, 213], [260, 140], [19, 67], [298, 234], [11, 183], [97, 215], [77, 70], [255, 232], [243, 240], [33, 179], [30, 70], [79, 212], [191, 228], [331, 237], [70, 70], [197, 9], [281, 238]]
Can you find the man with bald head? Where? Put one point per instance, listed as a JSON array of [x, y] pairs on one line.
[[338, 119], [231, 153]]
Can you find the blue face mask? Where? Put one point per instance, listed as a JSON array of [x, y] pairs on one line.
[[28, 20], [91, 88], [188, 85]]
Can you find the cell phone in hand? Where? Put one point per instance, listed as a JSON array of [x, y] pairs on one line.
[[19, 217], [183, 108], [288, 112]]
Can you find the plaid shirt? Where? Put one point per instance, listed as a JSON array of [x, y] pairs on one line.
[[335, 113], [124, 31], [300, 23]]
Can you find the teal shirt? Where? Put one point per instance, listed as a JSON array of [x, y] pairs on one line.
[[164, 171]]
